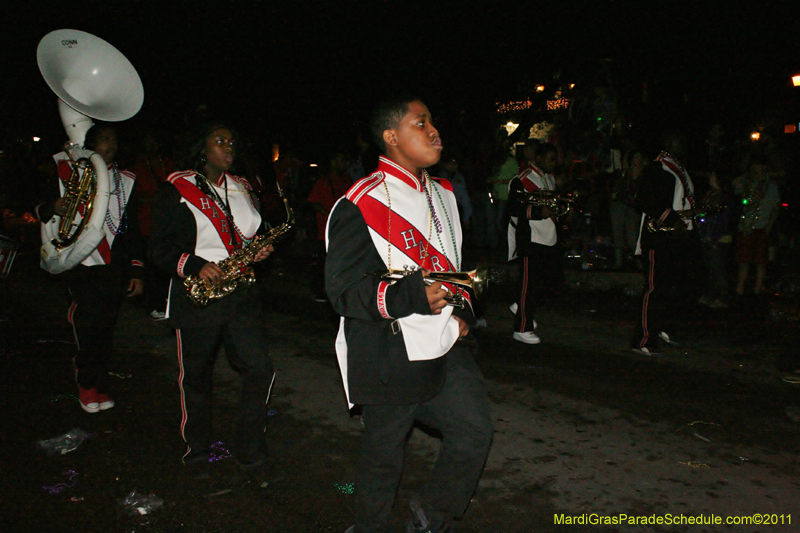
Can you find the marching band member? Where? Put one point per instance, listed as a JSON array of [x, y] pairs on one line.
[[666, 198], [532, 236], [97, 285], [397, 346], [200, 217]]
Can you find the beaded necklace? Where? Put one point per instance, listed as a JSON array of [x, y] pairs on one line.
[[210, 189], [433, 219], [389, 238], [119, 191], [429, 185], [424, 252]]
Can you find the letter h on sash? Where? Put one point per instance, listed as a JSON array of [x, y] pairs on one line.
[[408, 238]]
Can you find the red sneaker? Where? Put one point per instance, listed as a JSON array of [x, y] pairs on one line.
[[88, 399], [105, 401]]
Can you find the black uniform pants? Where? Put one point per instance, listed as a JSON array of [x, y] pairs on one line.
[[541, 275], [460, 411], [246, 348], [96, 293], [672, 286]]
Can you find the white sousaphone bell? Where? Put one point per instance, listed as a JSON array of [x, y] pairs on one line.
[[92, 79]]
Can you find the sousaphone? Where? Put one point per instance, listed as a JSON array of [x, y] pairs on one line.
[[92, 79]]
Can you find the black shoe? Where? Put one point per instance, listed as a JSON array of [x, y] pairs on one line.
[[202, 457], [256, 473], [197, 467]]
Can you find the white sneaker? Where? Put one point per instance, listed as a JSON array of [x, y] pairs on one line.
[[664, 337], [104, 401], [644, 351], [158, 315], [528, 337]]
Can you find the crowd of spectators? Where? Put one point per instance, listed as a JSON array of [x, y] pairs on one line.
[[600, 160]]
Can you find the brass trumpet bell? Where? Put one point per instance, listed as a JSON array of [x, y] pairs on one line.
[[477, 280]]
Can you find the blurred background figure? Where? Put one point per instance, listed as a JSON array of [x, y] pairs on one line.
[[448, 170], [151, 167], [717, 211], [326, 191], [760, 198], [504, 168]]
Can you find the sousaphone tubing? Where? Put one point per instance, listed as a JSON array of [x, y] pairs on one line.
[[92, 79]]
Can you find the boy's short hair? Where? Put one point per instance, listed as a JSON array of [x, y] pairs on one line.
[[387, 115], [544, 149], [537, 148], [532, 145]]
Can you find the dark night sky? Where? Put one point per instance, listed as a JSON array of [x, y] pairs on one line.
[[307, 71]]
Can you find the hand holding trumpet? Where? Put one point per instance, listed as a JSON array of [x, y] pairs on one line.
[[436, 294], [436, 299]]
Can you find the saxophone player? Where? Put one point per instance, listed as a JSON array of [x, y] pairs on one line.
[[201, 216]]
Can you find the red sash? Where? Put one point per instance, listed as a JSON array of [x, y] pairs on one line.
[[208, 206], [64, 169], [527, 183], [376, 215]]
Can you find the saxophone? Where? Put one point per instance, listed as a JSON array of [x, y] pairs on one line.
[[236, 267], [697, 215]]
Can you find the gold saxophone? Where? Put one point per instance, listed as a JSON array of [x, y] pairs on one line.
[[236, 267], [696, 215]]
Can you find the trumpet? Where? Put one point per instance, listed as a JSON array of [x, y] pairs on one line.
[[477, 280], [560, 203]]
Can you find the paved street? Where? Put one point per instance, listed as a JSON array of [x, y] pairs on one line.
[[582, 425]]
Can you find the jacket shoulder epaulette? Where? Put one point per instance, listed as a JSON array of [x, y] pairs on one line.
[[363, 186]]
